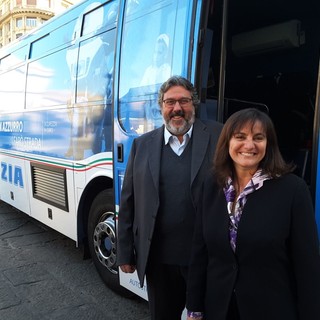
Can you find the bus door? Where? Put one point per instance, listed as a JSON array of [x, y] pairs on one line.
[[265, 55], [154, 44], [316, 137]]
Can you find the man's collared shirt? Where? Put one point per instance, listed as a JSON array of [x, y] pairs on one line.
[[174, 142]]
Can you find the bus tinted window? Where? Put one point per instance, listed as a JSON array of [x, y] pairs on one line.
[[40, 46], [12, 96], [5, 62], [91, 68], [55, 39], [95, 68], [14, 58], [48, 81], [102, 17], [146, 60]]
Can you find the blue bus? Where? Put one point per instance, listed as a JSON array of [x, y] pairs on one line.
[[75, 92]]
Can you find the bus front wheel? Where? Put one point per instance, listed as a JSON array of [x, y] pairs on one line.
[[102, 240]]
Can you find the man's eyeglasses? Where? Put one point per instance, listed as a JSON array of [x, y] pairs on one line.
[[183, 102]]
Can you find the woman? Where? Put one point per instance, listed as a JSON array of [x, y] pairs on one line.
[[255, 254]]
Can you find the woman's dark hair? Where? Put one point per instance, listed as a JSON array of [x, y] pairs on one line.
[[272, 163], [178, 81]]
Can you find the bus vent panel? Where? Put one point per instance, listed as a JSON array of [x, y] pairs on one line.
[[49, 185]]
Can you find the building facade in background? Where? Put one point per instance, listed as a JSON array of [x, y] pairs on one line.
[[20, 16]]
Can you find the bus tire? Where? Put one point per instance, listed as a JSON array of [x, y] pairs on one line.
[[102, 241]]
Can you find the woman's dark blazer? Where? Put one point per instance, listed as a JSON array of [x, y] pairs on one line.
[[275, 271]]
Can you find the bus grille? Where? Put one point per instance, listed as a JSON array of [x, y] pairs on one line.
[[49, 185]]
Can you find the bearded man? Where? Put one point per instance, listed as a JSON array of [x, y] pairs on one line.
[[161, 188]]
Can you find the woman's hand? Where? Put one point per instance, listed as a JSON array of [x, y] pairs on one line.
[[194, 315], [128, 268]]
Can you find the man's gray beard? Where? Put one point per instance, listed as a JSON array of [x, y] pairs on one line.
[[181, 130]]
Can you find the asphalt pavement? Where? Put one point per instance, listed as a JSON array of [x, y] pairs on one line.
[[44, 276]]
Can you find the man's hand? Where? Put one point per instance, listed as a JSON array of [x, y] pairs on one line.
[[128, 268]]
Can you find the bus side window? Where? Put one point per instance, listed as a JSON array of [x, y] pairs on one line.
[[95, 68], [12, 70], [101, 19], [94, 78], [12, 96], [55, 39], [48, 81], [147, 60]]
